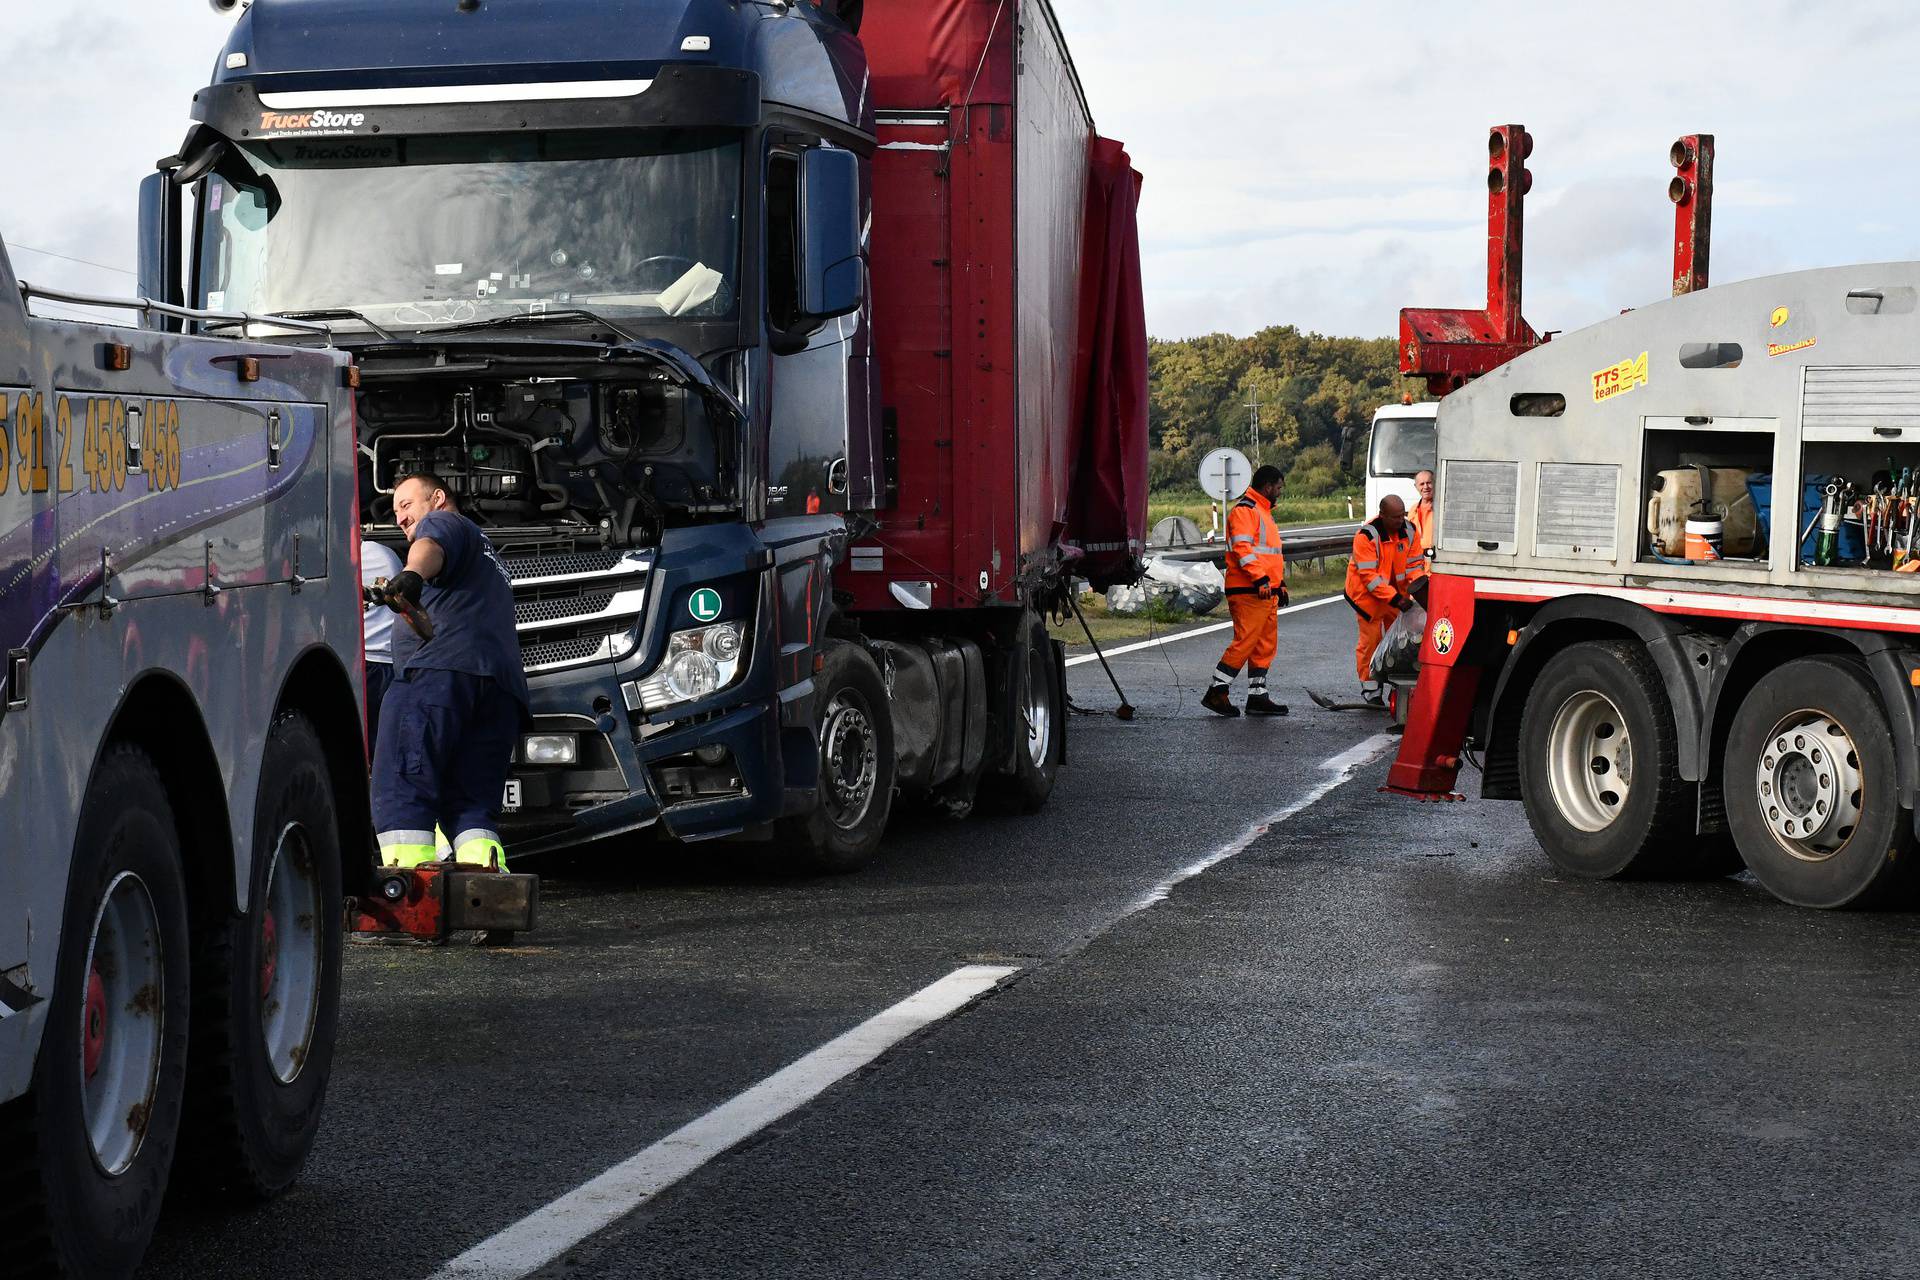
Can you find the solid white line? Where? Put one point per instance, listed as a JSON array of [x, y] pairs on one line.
[[548, 1232], [1207, 630], [1338, 769]]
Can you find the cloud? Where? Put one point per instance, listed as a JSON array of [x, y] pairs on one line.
[[1309, 164]]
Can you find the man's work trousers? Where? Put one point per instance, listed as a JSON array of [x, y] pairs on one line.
[[441, 757], [1374, 617], [1256, 633]]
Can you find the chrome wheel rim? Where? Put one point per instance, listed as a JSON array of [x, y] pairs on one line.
[[1039, 710], [1809, 785], [290, 954], [850, 756], [122, 1023], [1590, 761]]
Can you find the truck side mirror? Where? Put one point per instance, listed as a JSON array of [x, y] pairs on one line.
[[832, 272], [158, 257]]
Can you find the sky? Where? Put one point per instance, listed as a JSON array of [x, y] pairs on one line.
[[1320, 165]]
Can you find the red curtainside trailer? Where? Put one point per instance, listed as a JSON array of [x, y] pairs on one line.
[[1007, 317]]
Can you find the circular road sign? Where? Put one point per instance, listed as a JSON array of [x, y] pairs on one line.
[[704, 605], [1225, 474]]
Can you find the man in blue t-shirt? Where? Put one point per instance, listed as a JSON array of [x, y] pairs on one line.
[[450, 720]]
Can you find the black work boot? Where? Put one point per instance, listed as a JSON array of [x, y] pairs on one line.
[[1261, 705], [1219, 701]]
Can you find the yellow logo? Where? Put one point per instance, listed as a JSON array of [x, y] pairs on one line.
[[1618, 379], [1443, 636], [1782, 348], [1780, 315]]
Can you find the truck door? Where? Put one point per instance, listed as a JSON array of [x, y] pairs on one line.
[[821, 382]]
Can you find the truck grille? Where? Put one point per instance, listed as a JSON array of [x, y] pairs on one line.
[[576, 606]]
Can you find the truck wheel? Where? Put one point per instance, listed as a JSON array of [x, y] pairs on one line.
[[1039, 722], [84, 1156], [267, 986], [1599, 763], [1811, 787], [855, 730]]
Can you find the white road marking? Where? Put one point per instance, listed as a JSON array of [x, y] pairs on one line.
[[1338, 769], [1210, 629], [548, 1232]]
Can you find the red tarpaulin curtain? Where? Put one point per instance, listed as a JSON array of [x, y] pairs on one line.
[[1107, 515], [926, 54]]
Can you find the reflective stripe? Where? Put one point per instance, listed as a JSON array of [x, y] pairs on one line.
[[471, 834], [1371, 533], [1366, 564], [1243, 537], [1376, 581], [1268, 551], [389, 839], [1247, 560]]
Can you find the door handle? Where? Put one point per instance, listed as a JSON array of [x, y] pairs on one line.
[[134, 439], [837, 473], [274, 440]]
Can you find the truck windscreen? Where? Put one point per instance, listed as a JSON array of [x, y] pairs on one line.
[[426, 231], [1402, 447]]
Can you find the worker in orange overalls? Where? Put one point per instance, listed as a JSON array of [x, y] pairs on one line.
[[1378, 586], [1420, 529], [1256, 592]]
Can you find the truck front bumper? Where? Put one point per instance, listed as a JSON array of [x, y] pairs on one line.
[[715, 775]]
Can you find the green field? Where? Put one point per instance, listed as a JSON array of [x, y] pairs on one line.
[[1287, 511]]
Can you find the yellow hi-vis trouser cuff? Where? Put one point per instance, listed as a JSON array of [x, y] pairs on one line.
[[407, 849], [480, 848]]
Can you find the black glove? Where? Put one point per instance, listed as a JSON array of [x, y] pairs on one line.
[[1282, 593], [405, 585], [1265, 588], [1419, 590], [1403, 603]]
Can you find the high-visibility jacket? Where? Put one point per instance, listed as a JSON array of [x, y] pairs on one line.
[[1253, 545], [1420, 539], [1378, 566]]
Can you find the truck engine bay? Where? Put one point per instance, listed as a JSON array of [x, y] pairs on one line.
[[612, 456]]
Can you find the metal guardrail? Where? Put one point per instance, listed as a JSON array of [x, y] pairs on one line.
[[147, 306], [1314, 548]]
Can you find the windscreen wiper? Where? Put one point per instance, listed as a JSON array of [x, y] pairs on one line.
[[314, 313], [536, 317]]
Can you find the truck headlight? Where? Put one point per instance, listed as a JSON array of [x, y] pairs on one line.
[[699, 661]]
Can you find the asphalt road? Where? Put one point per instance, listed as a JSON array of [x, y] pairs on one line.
[[1383, 1039]]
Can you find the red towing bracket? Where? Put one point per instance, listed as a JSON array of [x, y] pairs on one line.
[[432, 901], [1692, 194], [1447, 346]]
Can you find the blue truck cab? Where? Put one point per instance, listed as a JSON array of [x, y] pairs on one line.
[[600, 265]]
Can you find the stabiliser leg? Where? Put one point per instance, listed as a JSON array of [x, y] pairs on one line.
[[436, 899]]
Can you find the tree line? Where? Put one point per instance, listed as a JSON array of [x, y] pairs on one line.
[[1316, 396]]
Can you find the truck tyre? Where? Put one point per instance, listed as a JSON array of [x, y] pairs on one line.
[[267, 985], [1037, 721], [1599, 764], [854, 727], [1812, 788], [85, 1154]]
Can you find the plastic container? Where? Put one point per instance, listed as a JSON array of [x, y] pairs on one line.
[[1853, 541], [1703, 539]]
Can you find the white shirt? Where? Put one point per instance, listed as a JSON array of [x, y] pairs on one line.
[[377, 561]]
